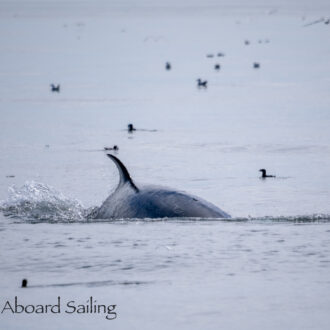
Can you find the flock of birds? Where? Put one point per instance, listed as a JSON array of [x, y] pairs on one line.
[[217, 66], [200, 84], [168, 66]]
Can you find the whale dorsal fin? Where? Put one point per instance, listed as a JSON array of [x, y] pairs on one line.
[[123, 173]]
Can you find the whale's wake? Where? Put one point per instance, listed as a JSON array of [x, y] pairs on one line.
[[37, 202]]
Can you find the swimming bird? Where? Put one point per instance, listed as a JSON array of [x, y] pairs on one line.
[[24, 283], [168, 66], [256, 65], [217, 66], [152, 201], [322, 19], [55, 88], [131, 128], [264, 175], [201, 83], [115, 148]]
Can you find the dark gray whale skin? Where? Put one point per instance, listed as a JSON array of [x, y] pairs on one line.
[[151, 201]]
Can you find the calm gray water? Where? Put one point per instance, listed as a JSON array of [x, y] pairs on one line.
[[268, 267]]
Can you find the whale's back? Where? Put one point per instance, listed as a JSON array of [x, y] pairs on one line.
[[160, 202], [130, 201], [157, 202]]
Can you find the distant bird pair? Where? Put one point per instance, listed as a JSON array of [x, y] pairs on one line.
[[212, 55]]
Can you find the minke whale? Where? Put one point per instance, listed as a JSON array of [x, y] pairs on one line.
[[151, 201]]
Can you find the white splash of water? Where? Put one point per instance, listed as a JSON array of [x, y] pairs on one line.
[[37, 201]]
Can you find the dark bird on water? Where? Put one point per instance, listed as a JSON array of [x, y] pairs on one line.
[[131, 128], [168, 66], [55, 88], [256, 65], [217, 66], [24, 283], [264, 174], [201, 83], [115, 148], [322, 19]]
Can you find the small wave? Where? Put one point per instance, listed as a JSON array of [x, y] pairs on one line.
[[94, 284], [265, 219], [317, 217], [38, 202]]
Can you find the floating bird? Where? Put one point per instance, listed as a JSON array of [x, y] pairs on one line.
[[55, 88], [131, 128], [220, 54], [115, 148], [24, 283], [201, 83], [264, 174], [217, 67], [256, 65], [168, 66], [247, 42], [326, 21], [209, 55]]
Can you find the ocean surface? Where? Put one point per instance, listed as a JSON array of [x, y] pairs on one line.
[[267, 267]]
